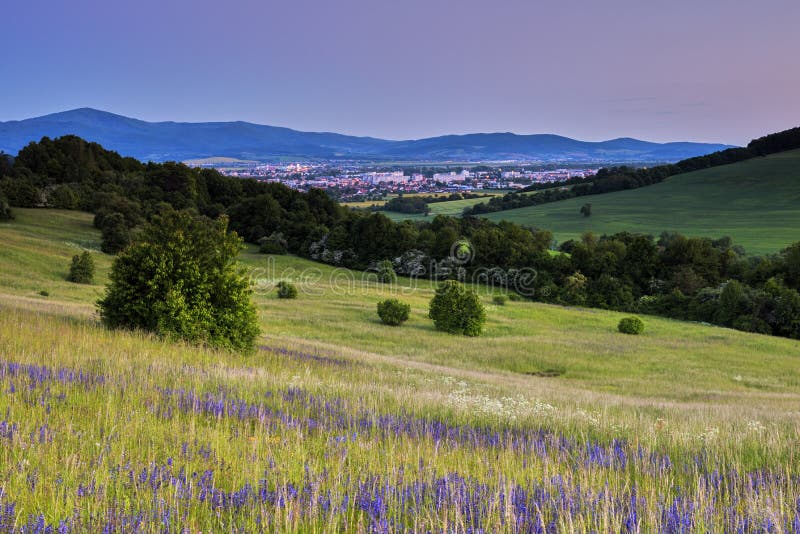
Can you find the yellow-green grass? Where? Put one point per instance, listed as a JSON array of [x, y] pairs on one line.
[[364, 204], [489, 192], [36, 250], [681, 389], [756, 202]]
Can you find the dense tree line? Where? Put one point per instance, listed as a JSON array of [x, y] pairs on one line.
[[5, 210], [6, 169], [777, 142], [609, 180], [123, 193], [464, 195], [696, 279], [403, 204], [689, 278]]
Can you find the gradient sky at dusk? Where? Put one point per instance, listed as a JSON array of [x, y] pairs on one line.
[[710, 70]]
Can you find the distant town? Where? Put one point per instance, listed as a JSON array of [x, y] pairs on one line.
[[354, 182]]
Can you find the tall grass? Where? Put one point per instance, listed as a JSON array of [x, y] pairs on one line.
[[121, 431]]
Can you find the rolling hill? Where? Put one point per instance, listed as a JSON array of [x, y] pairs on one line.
[[162, 141], [756, 202]]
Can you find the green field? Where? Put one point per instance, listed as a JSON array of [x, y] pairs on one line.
[[756, 202], [294, 422], [453, 208]]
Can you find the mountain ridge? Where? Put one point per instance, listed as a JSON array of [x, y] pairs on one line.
[[171, 140]]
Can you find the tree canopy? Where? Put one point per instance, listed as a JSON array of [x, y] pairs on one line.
[[179, 279], [457, 309]]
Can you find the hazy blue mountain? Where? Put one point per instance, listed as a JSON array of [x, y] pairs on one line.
[[161, 141]]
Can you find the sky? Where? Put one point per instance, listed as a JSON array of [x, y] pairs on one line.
[[710, 70]]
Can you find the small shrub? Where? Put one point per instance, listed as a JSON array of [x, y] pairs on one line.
[[5, 210], [269, 247], [114, 234], [274, 244], [751, 323], [393, 312], [631, 325], [457, 309], [514, 297], [499, 300], [386, 273], [44, 293], [63, 197], [286, 290], [82, 269]]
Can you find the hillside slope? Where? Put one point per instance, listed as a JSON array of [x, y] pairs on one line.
[[756, 202]]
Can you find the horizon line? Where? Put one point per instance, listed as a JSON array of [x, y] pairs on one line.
[[323, 131]]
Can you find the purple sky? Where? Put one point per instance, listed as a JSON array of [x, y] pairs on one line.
[[710, 70]]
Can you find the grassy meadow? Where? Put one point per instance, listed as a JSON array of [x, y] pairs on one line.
[[756, 202], [549, 422]]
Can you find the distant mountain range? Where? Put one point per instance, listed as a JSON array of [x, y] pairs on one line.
[[162, 141]]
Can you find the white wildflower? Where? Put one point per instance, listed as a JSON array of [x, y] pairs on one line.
[[755, 426]]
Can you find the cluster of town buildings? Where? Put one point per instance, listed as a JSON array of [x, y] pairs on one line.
[[352, 181]]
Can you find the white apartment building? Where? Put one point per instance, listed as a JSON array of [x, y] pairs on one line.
[[395, 177], [449, 177]]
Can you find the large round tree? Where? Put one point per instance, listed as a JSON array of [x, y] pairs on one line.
[[179, 279]]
